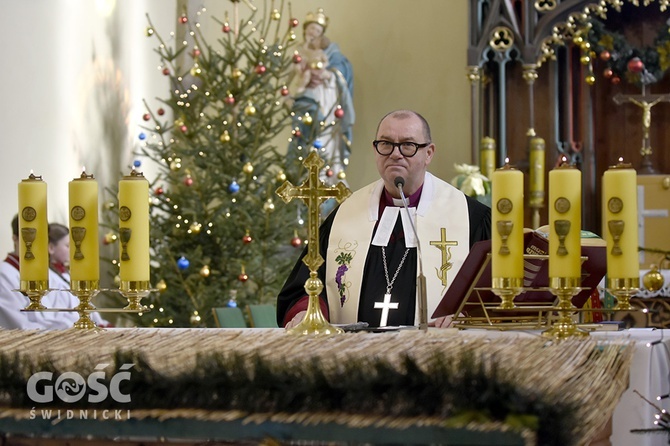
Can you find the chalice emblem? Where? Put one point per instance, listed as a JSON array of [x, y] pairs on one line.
[[28, 235], [616, 228], [125, 238], [504, 229], [78, 234], [562, 228]]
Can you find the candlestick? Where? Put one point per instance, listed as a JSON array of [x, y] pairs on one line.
[[84, 248], [565, 222], [34, 239], [507, 240], [487, 156], [620, 231]]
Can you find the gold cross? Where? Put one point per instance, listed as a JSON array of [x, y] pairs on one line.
[[444, 246]]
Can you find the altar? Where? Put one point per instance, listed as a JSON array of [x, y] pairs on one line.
[[474, 387]]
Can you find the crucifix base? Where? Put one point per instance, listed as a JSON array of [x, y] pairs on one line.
[[314, 323]]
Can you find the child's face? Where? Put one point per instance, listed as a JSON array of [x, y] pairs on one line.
[[60, 251], [312, 31]]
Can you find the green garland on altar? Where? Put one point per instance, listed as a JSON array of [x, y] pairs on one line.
[[650, 63]]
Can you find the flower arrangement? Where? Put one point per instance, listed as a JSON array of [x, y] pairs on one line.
[[472, 183]]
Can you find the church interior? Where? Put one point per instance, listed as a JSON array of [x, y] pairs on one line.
[[193, 103]]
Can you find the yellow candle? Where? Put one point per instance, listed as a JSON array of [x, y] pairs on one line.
[[565, 222], [134, 228], [84, 248], [33, 230], [487, 156], [507, 219], [620, 221], [536, 180]]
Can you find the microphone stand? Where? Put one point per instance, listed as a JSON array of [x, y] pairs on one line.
[[421, 279]]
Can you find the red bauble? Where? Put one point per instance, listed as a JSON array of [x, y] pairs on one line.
[[226, 28], [635, 65], [607, 72], [146, 116], [230, 100], [183, 129], [160, 112], [243, 277], [293, 22], [166, 71], [605, 56], [615, 80], [183, 19], [159, 191], [247, 239], [297, 58], [260, 69], [284, 91], [339, 113], [297, 133], [296, 242], [188, 181], [196, 52]]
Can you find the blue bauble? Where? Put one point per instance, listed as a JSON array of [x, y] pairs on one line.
[[318, 144], [183, 263], [137, 163], [231, 303], [142, 136], [234, 187]]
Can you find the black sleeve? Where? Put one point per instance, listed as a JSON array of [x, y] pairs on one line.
[[294, 287], [480, 221]]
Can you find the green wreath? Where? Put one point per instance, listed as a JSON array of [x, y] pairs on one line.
[[613, 48]]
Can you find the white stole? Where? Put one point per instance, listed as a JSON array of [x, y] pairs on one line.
[[441, 206]]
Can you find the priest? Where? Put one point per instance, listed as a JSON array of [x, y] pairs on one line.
[[370, 247]]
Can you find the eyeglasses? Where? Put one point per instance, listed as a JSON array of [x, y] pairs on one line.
[[407, 149]]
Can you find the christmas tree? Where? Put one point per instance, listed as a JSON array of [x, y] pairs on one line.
[[219, 234]]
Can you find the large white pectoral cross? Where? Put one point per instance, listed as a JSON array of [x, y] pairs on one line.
[[386, 306]]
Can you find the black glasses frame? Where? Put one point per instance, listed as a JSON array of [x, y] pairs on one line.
[[399, 145]]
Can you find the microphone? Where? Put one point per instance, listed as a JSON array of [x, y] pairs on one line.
[[421, 279]]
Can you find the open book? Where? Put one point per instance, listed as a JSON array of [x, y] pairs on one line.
[[473, 281]]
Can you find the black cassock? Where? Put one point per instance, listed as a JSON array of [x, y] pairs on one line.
[[374, 280]]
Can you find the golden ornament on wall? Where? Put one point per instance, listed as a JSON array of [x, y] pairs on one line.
[[653, 280], [502, 38]]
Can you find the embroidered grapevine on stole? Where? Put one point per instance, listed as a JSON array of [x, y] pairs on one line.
[[343, 259]]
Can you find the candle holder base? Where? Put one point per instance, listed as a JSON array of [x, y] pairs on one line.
[[134, 291], [564, 327], [35, 290], [623, 290], [85, 290], [314, 323], [507, 288]]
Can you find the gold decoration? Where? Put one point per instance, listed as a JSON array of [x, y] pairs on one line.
[[281, 176], [564, 327], [161, 286], [444, 246], [504, 229], [125, 234], [562, 228], [269, 205], [195, 227], [341, 175], [204, 271], [562, 205], [653, 280], [250, 110], [501, 39], [175, 164], [313, 192], [318, 17], [78, 234], [28, 236], [110, 238], [276, 15], [307, 119], [504, 205], [248, 168], [196, 70], [225, 137], [616, 228], [149, 31], [237, 73]]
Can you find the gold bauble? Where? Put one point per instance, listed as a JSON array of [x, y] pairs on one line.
[[195, 70], [149, 31], [269, 205], [248, 168], [161, 286], [204, 271], [250, 110], [195, 227], [590, 79], [110, 205], [110, 238], [653, 280], [178, 122], [236, 73], [281, 176], [307, 119], [585, 60], [175, 165], [225, 136], [341, 175], [275, 14]]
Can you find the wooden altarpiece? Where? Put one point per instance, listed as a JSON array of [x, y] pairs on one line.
[[532, 74]]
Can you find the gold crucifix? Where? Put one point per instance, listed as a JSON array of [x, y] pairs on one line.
[[645, 102], [444, 246], [313, 192]]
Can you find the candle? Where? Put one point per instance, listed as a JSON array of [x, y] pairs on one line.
[[620, 221], [84, 248], [487, 156], [536, 181], [134, 228], [507, 218], [33, 231], [565, 222]]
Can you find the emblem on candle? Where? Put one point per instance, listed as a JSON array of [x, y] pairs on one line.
[[616, 228], [505, 205], [28, 235], [562, 228], [125, 213], [29, 213], [77, 213], [562, 205], [125, 238], [78, 234], [504, 229], [615, 205]]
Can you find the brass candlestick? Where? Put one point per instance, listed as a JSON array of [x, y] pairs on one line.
[[564, 327], [35, 290], [134, 291], [623, 289], [85, 290], [507, 288]]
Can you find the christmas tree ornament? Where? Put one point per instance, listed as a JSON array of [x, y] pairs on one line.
[[281, 176], [225, 137], [243, 277], [269, 205], [307, 119], [341, 175], [110, 205], [160, 111], [195, 53], [635, 65], [149, 31], [183, 19], [188, 181], [195, 318], [195, 227], [142, 136], [232, 301], [317, 144], [248, 168], [590, 79], [585, 59], [159, 191], [161, 286], [615, 80], [607, 72], [605, 56], [260, 69], [297, 58], [292, 36], [204, 271], [109, 238], [284, 91], [226, 28], [230, 99], [276, 15], [183, 129], [175, 164], [246, 238], [329, 173], [250, 110], [166, 71], [137, 163], [196, 70], [339, 112], [236, 73], [293, 22], [296, 241], [653, 280], [297, 133], [234, 187], [146, 116], [183, 263]]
